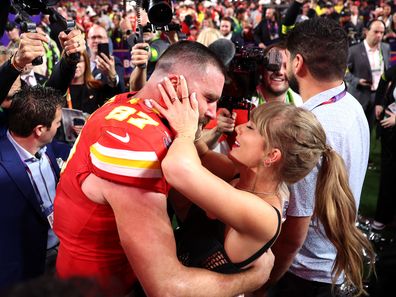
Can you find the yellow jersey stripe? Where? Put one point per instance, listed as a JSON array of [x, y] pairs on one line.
[[126, 171], [125, 154], [124, 162]]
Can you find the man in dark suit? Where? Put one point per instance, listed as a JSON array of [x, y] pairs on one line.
[[366, 62], [108, 69], [32, 78], [29, 172]]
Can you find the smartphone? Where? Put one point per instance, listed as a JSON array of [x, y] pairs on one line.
[[103, 48], [78, 122]]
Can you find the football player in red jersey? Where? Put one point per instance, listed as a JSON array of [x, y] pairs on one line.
[[110, 208]]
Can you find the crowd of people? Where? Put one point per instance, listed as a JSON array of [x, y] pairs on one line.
[[168, 189]]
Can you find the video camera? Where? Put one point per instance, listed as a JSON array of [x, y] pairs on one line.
[[24, 8], [244, 73]]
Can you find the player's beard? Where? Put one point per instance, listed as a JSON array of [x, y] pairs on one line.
[[203, 121]]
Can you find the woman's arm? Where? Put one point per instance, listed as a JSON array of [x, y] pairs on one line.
[[217, 163], [238, 209], [182, 168]]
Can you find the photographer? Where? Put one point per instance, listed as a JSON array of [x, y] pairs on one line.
[[272, 86], [105, 67], [144, 56], [148, 46], [31, 47], [13, 35]]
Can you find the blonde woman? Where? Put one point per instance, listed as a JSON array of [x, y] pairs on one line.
[[235, 220], [208, 35]]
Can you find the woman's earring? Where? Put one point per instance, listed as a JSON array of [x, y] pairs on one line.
[[267, 163]]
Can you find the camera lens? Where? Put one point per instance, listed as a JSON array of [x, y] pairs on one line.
[[159, 12]]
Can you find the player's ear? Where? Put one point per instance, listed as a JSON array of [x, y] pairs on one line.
[[174, 79]]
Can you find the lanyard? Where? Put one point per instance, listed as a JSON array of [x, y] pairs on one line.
[[35, 187], [68, 99], [333, 99]]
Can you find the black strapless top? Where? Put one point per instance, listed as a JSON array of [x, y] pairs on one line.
[[200, 243]]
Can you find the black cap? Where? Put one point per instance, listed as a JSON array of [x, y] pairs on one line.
[[345, 12], [10, 26]]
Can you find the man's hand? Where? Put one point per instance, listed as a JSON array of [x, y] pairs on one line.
[[107, 66], [73, 42], [389, 121], [378, 111], [77, 129], [225, 121], [172, 36], [140, 54], [30, 47], [364, 82], [261, 268]]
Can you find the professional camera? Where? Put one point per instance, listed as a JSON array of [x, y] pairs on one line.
[[159, 13], [137, 37], [33, 7], [243, 75], [24, 8]]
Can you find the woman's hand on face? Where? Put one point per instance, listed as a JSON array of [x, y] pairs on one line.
[[181, 110]]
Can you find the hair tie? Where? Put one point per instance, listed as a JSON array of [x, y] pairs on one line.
[[328, 149]]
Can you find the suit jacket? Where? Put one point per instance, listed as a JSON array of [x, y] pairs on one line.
[[359, 67], [8, 75], [40, 79], [120, 88], [60, 79], [23, 227]]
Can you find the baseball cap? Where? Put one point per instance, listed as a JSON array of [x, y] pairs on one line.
[[10, 26]]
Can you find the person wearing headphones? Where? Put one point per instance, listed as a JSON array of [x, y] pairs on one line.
[[227, 30]]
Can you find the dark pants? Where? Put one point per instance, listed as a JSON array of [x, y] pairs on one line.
[[50, 261], [386, 203], [369, 111], [366, 99], [291, 285]]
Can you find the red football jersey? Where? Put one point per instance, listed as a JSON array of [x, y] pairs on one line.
[[124, 141]]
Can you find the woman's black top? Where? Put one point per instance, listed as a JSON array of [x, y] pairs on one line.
[[200, 243]]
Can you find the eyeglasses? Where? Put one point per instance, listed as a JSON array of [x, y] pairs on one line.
[[97, 37]]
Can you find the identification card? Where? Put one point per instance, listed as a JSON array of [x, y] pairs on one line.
[[49, 213]]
